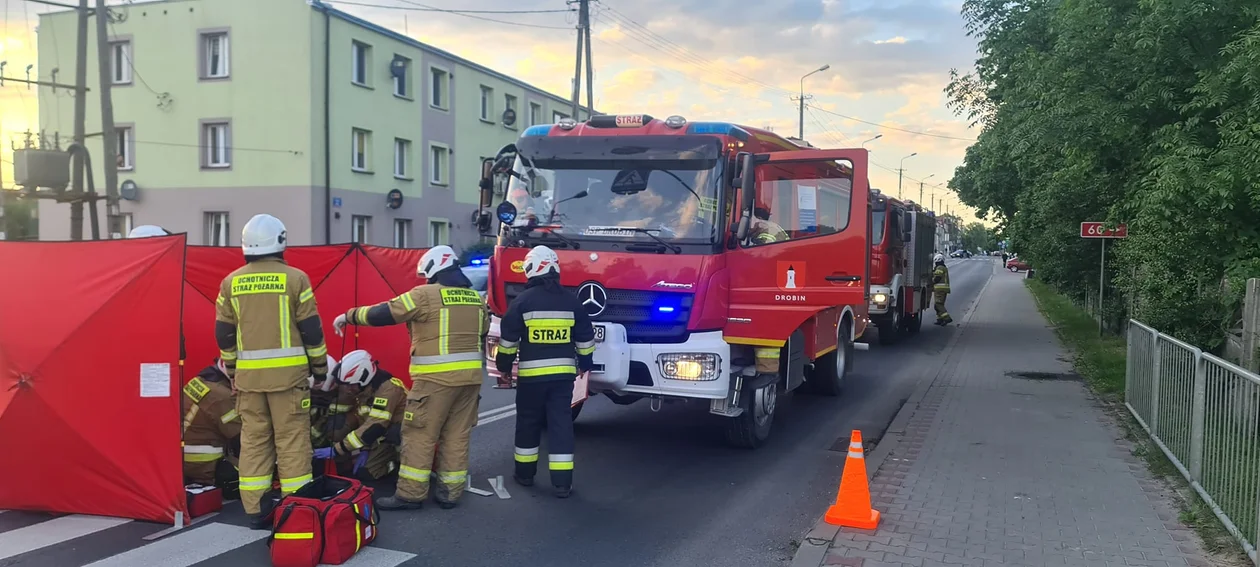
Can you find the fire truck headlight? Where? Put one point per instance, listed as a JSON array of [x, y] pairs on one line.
[[699, 367], [880, 298]]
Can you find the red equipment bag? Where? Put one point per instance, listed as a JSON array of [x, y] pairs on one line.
[[203, 500], [327, 521]]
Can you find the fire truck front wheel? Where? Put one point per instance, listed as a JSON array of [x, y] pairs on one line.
[[829, 370], [889, 325], [751, 428]]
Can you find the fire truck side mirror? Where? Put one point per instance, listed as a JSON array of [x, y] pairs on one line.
[[747, 167], [487, 182]]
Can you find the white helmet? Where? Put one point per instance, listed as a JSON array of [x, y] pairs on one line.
[[938, 258], [357, 368], [541, 261], [145, 230], [435, 260], [263, 234]]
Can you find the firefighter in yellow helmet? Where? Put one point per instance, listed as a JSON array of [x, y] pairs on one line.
[[371, 436], [940, 290], [272, 343], [447, 321], [211, 430]]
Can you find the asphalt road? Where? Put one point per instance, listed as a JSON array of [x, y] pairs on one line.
[[651, 489]]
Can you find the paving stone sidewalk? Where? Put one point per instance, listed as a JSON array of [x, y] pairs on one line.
[[1009, 460]]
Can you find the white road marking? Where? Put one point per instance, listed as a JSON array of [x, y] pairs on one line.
[[491, 412], [187, 548], [496, 417], [378, 557], [53, 532]]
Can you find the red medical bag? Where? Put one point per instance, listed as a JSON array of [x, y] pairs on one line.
[[327, 521]]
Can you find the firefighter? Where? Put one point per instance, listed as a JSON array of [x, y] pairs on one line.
[[549, 328], [272, 343], [940, 290], [331, 410], [371, 435], [211, 430], [764, 230], [447, 321]]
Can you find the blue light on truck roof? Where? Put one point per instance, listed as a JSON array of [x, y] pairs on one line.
[[539, 130], [724, 128]]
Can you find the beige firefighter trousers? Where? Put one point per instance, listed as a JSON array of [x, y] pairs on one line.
[[275, 432], [438, 418], [938, 302]]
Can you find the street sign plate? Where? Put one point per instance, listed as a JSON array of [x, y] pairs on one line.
[[1100, 230]]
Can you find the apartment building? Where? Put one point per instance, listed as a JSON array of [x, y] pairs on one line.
[[344, 129]]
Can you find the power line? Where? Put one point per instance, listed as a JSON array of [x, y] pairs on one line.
[[485, 19], [233, 148], [448, 11], [915, 132]]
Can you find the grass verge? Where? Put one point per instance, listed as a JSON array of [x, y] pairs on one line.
[[1100, 360]]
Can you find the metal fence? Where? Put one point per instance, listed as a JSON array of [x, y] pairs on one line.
[[1204, 413]]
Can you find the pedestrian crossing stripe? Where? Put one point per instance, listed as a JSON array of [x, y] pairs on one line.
[[185, 548]]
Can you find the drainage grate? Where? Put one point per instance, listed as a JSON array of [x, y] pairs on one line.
[[1044, 376]]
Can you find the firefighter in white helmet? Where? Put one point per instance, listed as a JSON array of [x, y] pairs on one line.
[[145, 230], [940, 290], [447, 321], [549, 329], [271, 341], [370, 433]]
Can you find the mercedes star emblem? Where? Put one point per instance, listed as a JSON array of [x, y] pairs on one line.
[[593, 297]]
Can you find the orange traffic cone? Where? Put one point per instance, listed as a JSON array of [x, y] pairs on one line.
[[853, 501]]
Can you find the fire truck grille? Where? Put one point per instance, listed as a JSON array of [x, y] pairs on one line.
[[648, 316]]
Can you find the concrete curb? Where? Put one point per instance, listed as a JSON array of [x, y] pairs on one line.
[[813, 548]]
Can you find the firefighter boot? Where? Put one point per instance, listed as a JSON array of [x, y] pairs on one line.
[[394, 503], [263, 519]]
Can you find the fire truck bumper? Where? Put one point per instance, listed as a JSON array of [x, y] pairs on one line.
[[881, 298], [697, 368]]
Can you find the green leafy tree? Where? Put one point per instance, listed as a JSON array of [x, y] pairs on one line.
[[976, 236]]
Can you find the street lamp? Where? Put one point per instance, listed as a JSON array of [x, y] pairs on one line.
[[802, 99], [901, 170], [872, 140], [921, 187]]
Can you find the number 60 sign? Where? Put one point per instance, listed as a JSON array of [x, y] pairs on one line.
[[1100, 230]]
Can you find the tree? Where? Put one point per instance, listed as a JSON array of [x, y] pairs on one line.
[[1137, 111], [976, 236], [19, 218]]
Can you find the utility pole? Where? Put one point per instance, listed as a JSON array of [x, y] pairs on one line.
[[583, 45], [901, 171], [921, 187], [109, 137], [803, 98], [80, 118]]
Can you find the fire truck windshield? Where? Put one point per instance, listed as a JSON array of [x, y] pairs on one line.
[[603, 186]]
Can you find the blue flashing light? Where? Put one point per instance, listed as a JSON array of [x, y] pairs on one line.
[[539, 130], [477, 262], [665, 309], [721, 128]]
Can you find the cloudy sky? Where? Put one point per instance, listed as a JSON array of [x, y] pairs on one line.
[[704, 59]]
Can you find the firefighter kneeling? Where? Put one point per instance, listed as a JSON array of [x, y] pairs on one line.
[[447, 321], [212, 430], [371, 431]]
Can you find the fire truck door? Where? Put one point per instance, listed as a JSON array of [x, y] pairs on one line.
[[807, 245]]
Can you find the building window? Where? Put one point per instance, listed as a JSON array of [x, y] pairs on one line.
[[217, 229], [125, 145], [215, 59], [359, 228], [360, 62], [440, 82], [402, 153], [400, 70], [120, 62], [557, 116], [359, 142], [487, 103], [402, 233], [535, 114], [509, 103], [439, 163], [216, 138], [439, 232]]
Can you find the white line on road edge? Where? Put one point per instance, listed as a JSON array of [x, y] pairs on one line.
[[53, 532], [496, 417]]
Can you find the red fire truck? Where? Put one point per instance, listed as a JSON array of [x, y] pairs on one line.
[[902, 239], [720, 263]]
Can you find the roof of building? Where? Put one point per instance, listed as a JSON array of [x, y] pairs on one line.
[[318, 5]]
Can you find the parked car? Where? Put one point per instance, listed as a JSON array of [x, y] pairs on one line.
[[960, 254], [1017, 265]]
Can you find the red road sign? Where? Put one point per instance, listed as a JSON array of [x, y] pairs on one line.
[[1100, 230]]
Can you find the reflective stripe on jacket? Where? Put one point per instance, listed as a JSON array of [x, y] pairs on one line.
[[940, 278], [548, 328], [446, 324], [268, 302], [383, 405]]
